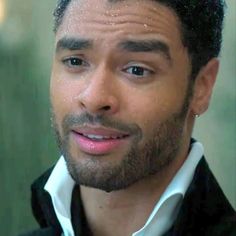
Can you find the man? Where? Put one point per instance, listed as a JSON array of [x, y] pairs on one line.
[[128, 80]]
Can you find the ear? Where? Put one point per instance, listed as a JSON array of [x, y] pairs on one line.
[[204, 83]]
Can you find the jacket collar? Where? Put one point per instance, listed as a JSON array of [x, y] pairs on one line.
[[205, 209], [41, 203]]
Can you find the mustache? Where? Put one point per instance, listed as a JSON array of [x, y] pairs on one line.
[[72, 120]]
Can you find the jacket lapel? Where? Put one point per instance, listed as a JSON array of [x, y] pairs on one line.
[[204, 207]]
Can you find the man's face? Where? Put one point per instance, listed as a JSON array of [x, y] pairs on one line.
[[119, 91]]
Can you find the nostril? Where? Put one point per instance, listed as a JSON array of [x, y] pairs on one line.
[[106, 108]]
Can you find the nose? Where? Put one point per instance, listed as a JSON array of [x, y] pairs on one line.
[[99, 95]]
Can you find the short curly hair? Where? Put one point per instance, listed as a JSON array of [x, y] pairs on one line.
[[201, 22]]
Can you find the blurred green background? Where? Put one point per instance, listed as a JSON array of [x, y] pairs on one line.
[[27, 145]]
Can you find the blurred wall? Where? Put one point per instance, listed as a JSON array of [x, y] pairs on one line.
[[27, 145]]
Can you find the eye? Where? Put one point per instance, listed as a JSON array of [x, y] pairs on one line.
[[74, 62], [138, 71]]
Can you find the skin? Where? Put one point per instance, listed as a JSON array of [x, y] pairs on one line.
[[106, 85]]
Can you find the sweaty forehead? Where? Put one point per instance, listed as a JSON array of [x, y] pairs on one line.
[[113, 19]]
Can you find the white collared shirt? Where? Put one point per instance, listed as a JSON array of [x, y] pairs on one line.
[[60, 186]]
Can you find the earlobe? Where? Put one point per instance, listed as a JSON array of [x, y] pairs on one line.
[[203, 87]]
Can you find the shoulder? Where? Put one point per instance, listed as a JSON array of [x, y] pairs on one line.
[[205, 209], [227, 226], [42, 208]]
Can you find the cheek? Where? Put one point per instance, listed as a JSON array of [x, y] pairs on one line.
[[64, 95], [145, 113], [150, 108], [156, 104]]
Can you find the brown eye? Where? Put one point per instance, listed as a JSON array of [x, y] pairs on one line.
[[74, 62], [138, 71]]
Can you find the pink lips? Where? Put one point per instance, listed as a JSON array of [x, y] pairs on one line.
[[98, 141]]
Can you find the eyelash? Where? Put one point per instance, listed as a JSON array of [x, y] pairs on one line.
[[137, 71], [69, 62]]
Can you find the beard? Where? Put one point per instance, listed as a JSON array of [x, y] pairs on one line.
[[141, 160]]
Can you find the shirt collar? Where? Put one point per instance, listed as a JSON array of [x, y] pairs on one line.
[[165, 212], [60, 186]]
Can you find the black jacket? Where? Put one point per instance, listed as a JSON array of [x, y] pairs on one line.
[[205, 211]]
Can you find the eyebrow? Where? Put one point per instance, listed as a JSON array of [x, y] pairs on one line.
[[73, 44], [155, 46]]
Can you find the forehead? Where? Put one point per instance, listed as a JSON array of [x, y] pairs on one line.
[[112, 20]]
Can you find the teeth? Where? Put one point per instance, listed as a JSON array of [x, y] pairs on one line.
[[91, 136], [100, 137]]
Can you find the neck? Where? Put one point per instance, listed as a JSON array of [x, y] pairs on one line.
[[125, 211]]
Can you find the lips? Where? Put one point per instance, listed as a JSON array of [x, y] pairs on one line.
[[99, 140]]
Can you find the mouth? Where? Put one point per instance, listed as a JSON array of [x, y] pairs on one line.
[[98, 138], [99, 141]]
